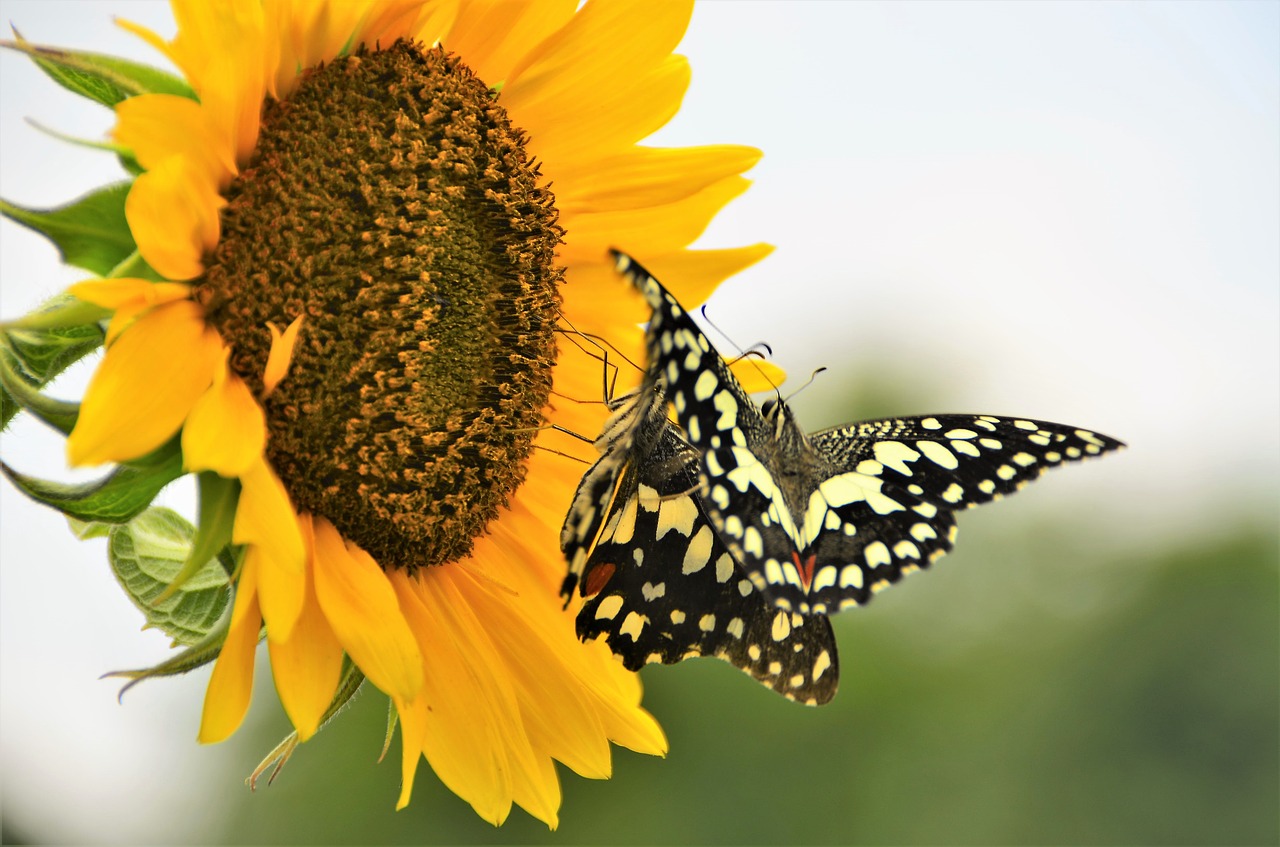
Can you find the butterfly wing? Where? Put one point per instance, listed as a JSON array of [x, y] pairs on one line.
[[889, 508], [958, 461], [634, 426]]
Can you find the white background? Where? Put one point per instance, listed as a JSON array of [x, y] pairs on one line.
[[1062, 210]]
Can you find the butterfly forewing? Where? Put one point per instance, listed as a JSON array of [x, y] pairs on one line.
[[958, 461]]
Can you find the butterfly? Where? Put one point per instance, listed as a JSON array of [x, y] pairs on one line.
[[820, 522], [660, 584]]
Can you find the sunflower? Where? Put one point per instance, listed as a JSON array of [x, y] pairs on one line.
[[368, 307]]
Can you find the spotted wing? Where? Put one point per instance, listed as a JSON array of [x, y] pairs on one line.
[[634, 427], [662, 587], [889, 508], [958, 461], [738, 474]]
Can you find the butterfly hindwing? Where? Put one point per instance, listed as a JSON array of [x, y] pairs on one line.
[[662, 587], [629, 430]]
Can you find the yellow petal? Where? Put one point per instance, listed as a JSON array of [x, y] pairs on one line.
[[231, 684], [223, 49], [129, 298], [267, 521], [360, 605], [594, 288], [308, 665], [518, 541], [413, 732], [647, 231], [755, 374], [125, 292], [474, 735], [618, 117], [647, 176], [492, 35], [172, 211], [574, 65], [226, 430], [280, 356], [157, 126], [537, 646], [146, 385]]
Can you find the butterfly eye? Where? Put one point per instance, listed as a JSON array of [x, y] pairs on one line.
[[767, 408]]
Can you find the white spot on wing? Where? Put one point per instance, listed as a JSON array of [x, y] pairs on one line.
[[609, 608], [877, 554], [632, 625], [698, 553], [938, 454], [896, 455], [781, 627]]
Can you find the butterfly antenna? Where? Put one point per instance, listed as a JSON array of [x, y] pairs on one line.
[[750, 353], [813, 376]]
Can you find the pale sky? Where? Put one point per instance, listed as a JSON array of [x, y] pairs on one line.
[[1068, 211]]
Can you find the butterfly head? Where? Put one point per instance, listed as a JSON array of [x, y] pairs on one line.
[[786, 429]]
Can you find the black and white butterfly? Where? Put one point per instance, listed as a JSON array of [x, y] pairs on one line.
[[660, 584], [819, 522]]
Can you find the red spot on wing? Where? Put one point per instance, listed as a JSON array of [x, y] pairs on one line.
[[805, 568], [597, 578]]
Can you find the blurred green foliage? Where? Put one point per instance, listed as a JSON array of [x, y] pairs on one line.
[[976, 708]]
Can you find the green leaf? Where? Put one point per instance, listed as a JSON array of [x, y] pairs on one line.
[[218, 500], [146, 555], [103, 79], [59, 414], [91, 232], [117, 498]]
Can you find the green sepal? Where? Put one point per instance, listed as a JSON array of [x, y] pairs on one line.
[[128, 160], [136, 267], [61, 312], [393, 718], [116, 498], [102, 79], [17, 390], [218, 499], [90, 232], [85, 530], [146, 554], [45, 352], [348, 686], [36, 356]]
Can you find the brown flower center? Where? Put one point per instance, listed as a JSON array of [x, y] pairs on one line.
[[391, 203]]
